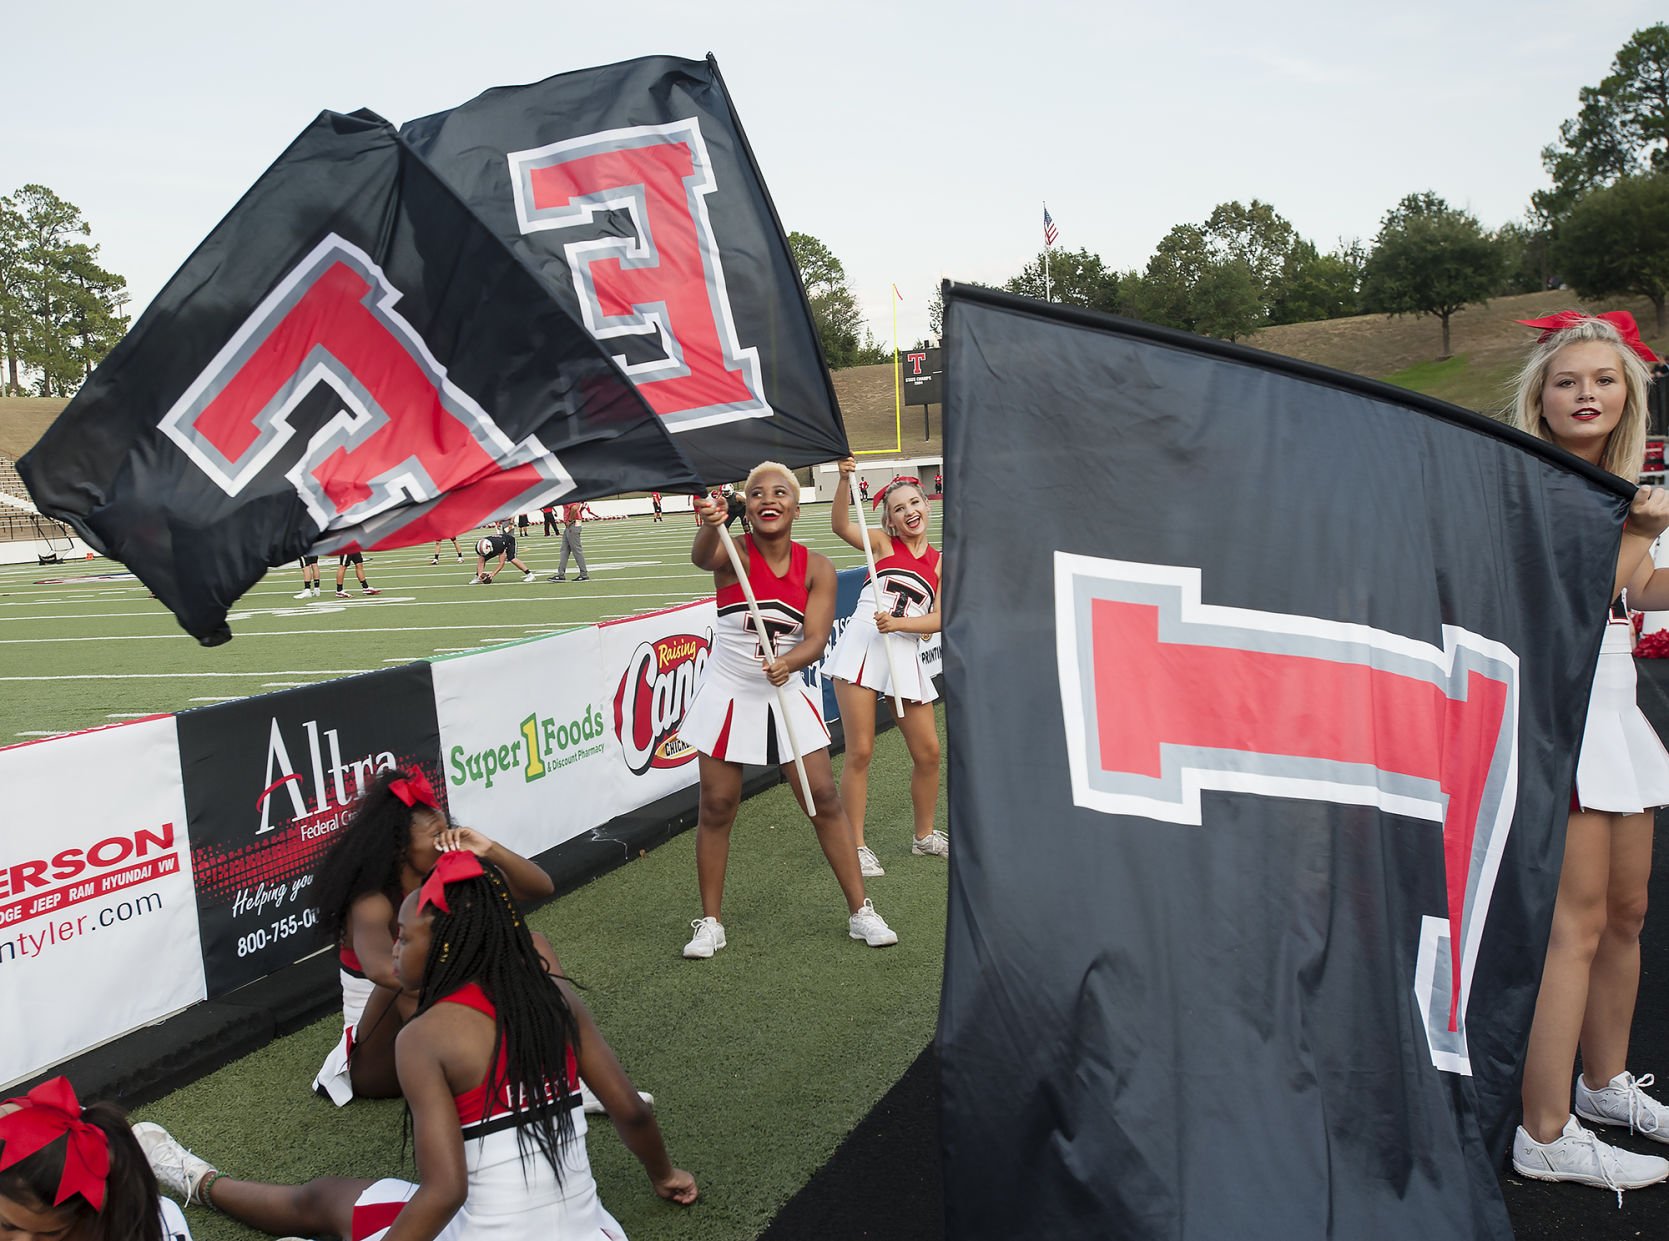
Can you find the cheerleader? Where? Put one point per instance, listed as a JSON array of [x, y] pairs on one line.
[[904, 602], [490, 1067], [73, 1173], [394, 836], [734, 715], [1584, 389]]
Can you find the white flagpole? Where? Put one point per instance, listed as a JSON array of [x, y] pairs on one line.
[[1047, 290], [875, 585], [767, 642]]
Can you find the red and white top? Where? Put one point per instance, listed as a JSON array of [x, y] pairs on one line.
[[737, 648], [508, 1200]]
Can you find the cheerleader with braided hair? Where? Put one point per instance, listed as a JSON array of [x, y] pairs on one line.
[[396, 832], [75, 1173], [490, 1066]]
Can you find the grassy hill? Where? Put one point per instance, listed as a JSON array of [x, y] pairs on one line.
[[1488, 347]]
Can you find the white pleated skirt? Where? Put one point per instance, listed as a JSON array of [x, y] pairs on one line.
[[1623, 767], [736, 721]]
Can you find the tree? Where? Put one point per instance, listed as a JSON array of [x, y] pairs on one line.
[[1319, 286], [13, 313], [1621, 130], [60, 312], [1075, 278], [1616, 241], [835, 312], [1430, 259], [1258, 236], [1189, 286], [1526, 257]]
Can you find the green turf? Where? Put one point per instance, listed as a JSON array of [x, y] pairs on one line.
[[1485, 387], [761, 1059], [90, 652]]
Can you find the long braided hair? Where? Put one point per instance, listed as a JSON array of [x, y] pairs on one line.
[[484, 940], [367, 855]]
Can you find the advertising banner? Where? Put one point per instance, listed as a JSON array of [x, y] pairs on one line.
[[266, 782], [95, 892], [650, 666], [527, 748]]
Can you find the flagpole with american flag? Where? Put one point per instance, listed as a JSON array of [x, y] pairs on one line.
[[1050, 235]]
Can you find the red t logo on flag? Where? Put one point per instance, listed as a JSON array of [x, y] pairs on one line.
[[404, 431], [1165, 697], [665, 279]]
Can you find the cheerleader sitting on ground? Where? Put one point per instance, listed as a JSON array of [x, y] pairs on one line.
[[73, 1173], [490, 1066]]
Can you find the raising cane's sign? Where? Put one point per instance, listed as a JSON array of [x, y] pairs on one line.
[[652, 696]]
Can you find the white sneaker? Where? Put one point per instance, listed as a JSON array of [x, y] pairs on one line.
[[177, 1170], [1624, 1101], [1578, 1156], [870, 927], [708, 939], [868, 864], [305, 594], [934, 844], [527, 577]]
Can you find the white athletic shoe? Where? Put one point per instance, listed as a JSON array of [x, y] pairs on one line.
[[870, 927], [1576, 1155], [708, 939], [527, 577], [306, 593], [1624, 1101], [934, 844], [868, 864], [177, 1170]]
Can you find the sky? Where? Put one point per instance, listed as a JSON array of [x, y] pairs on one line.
[[917, 140]]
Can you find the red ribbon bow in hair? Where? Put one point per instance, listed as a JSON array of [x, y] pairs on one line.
[[902, 478], [413, 789], [43, 1115], [1624, 322], [454, 865]]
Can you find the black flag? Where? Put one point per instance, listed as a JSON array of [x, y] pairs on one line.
[[633, 191], [349, 361], [1265, 701]]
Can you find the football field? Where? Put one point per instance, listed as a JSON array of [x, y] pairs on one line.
[[83, 644]]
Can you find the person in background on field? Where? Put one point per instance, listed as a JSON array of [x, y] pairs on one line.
[[939, 483], [309, 578], [73, 1173], [572, 516], [435, 559], [548, 512], [655, 499], [733, 715], [1583, 388], [490, 1066], [357, 560], [502, 545], [863, 489], [905, 602]]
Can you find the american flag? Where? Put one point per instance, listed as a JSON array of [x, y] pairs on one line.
[[1051, 234]]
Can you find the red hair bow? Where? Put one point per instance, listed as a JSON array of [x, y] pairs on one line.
[[1619, 319], [413, 789], [43, 1115], [901, 478], [454, 866]]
